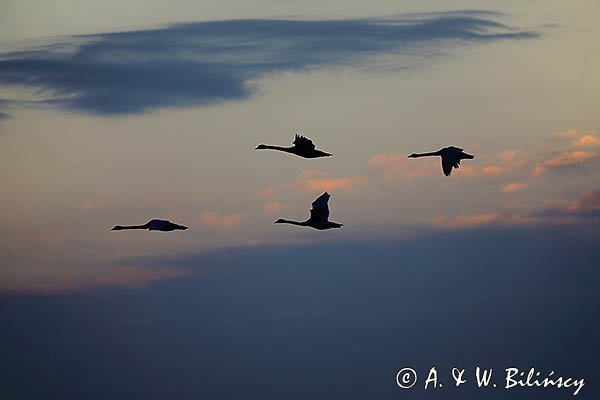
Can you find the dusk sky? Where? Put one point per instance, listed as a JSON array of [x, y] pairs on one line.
[[118, 112]]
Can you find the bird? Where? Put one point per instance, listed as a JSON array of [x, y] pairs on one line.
[[302, 147], [451, 157], [319, 215], [153, 225]]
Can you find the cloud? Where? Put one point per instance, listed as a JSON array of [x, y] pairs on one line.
[[567, 134], [206, 62], [111, 276], [463, 221], [398, 165], [567, 160], [315, 181], [220, 221], [586, 141], [273, 207], [579, 210], [324, 184], [584, 207], [513, 187]]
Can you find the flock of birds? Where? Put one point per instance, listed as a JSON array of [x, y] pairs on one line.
[[319, 213]]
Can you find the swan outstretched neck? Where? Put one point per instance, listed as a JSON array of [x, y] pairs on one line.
[[287, 221], [279, 148], [417, 155], [121, 227]]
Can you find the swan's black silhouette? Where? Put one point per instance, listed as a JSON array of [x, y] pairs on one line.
[[319, 215], [451, 157], [303, 147], [153, 225]]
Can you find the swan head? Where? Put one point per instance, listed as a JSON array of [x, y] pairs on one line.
[[260, 147], [413, 155], [280, 221], [117, 228]]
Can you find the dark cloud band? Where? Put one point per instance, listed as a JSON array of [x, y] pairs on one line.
[[206, 62]]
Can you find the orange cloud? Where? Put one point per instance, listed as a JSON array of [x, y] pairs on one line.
[[464, 221], [586, 141], [265, 192], [569, 133], [512, 187], [492, 170], [311, 180], [509, 155], [589, 203], [273, 207], [333, 184], [399, 165], [111, 275], [219, 221], [570, 159]]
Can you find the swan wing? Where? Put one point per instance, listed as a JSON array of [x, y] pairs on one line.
[[449, 161], [320, 209], [303, 143]]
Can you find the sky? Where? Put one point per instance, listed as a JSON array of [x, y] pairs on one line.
[[120, 112]]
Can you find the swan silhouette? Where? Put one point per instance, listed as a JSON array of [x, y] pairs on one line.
[[451, 157], [153, 225], [319, 215], [302, 146]]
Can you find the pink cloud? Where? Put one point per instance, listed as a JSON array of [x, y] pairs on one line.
[[570, 159], [476, 220], [513, 187], [567, 134], [325, 184], [398, 165], [220, 221], [586, 141], [273, 207], [110, 275], [311, 181], [588, 203]]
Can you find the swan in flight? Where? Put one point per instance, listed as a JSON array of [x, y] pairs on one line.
[[319, 215], [153, 225], [451, 157], [302, 146]]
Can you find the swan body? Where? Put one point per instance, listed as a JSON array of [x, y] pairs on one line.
[[319, 215], [302, 147], [451, 157], [153, 225]]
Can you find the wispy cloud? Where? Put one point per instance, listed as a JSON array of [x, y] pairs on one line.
[[513, 187], [206, 62], [585, 206], [567, 160], [476, 220], [586, 141], [397, 165], [580, 209], [315, 181], [216, 220], [273, 207]]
